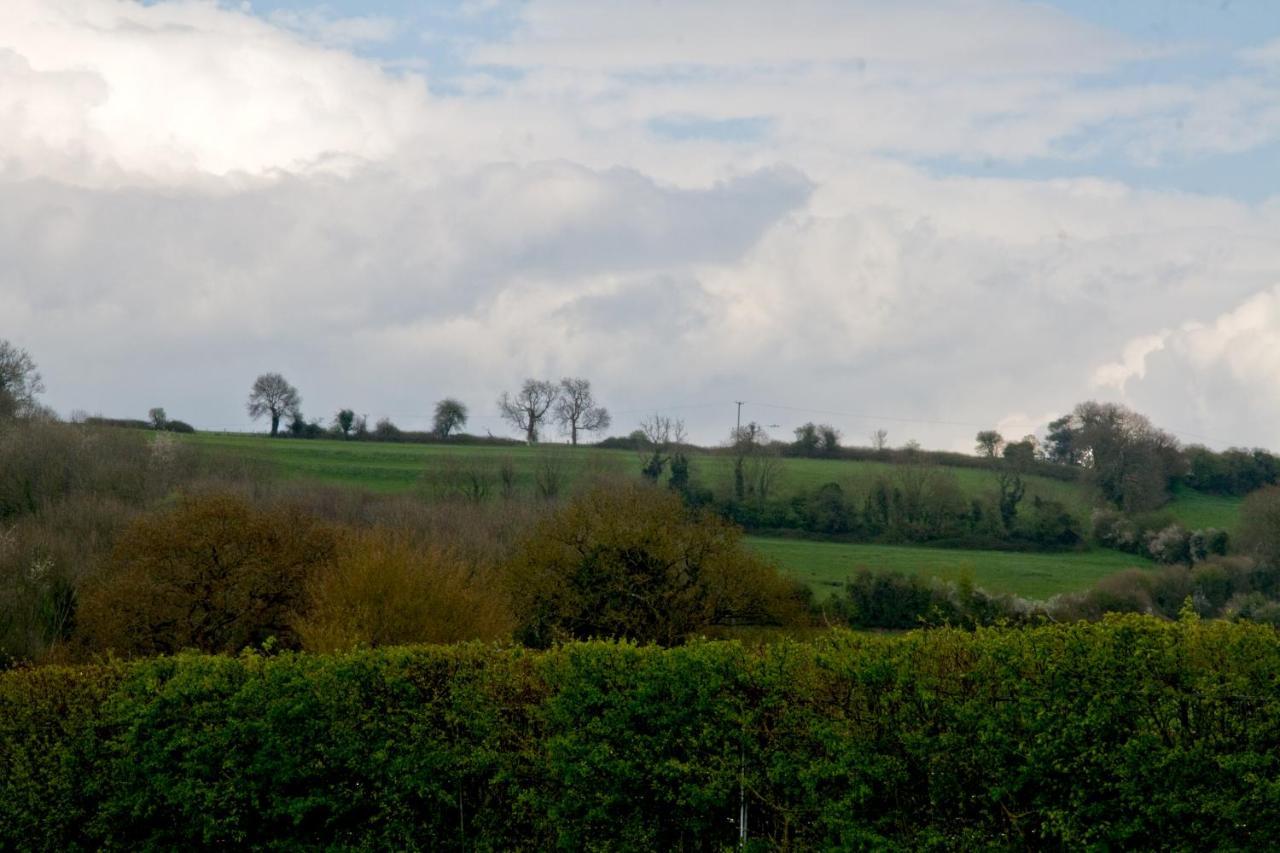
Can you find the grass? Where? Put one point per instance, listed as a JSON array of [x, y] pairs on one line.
[[1196, 510], [825, 566], [390, 467]]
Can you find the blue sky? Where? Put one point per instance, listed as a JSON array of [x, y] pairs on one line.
[[923, 215], [1191, 42]]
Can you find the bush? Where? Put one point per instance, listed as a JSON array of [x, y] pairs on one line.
[[213, 574], [629, 560], [1129, 733], [380, 590]]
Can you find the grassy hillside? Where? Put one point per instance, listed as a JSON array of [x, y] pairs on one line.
[[388, 467], [1198, 510], [826, 565]]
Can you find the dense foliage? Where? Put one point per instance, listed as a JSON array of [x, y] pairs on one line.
[[629, 560], [1131, 733]]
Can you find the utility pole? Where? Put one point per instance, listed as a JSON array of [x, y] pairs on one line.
[[738, 428]]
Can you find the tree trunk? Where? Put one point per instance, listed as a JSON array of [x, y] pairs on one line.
[[275, 424]]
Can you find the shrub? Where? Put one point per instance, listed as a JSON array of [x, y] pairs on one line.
[[380, 590], [1130, 733], [629, 560], [213, 574]]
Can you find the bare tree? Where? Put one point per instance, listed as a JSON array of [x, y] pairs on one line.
[[19, 381], [756, 468], [528, 409], [468, 478], [273, 395], [450, 415], [880, 439], [158, 418], [662, 435], [576, 409]]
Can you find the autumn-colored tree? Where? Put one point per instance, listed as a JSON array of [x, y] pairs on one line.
[[380, 590], [629, 560], [213, 574]]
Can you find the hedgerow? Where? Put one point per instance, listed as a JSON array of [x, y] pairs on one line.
[[1130, 732]]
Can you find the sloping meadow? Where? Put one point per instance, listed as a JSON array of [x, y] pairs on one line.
[[1130, 732]]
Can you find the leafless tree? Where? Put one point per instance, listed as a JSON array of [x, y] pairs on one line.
[[468, 478], [756, 466], [273, 395], [880, 439], [662, 436], [576, 409], [528, 409]]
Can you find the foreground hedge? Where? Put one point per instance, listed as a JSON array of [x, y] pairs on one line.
[[1126, 733]]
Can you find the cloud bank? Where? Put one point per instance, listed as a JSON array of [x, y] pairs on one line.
[[802, 208]]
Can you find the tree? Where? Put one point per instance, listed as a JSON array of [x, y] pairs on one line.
[[159, 419], [528, 409], [344, 421], [829, 440], [450, 415], [1260, 526], [807, 440], [273, 395], [213, 574], [19, 381], [630, 561], [576, 409], [1130, 462], [381, 590], [989, 443], [1021, 453], [662, 435], [880, 439]]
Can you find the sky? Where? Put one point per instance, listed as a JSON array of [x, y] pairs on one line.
[[924, 217]]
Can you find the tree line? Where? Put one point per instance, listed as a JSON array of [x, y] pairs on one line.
[[569, 403]]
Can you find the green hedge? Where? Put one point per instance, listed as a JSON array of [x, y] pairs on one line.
[[1127, 733]]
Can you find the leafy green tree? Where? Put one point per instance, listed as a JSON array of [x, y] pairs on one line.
[[450, 416], [989, 443], [630, 561], [344, 421]]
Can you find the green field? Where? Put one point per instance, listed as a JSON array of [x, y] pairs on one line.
[[826, 565], [1195, 510], [390, 467]]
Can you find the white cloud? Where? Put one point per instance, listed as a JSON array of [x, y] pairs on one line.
[[982, 36], [190, 196], [112, 91], [1218, 378]]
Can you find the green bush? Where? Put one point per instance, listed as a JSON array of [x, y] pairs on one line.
[[1128, 733]]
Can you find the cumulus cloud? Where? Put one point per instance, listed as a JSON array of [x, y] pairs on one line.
[[190, 195], [1219, 377], [113, 91]]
